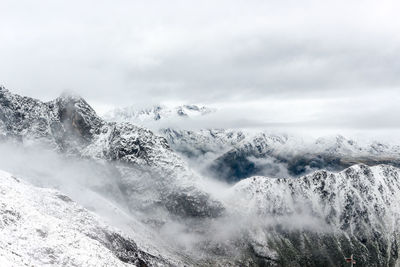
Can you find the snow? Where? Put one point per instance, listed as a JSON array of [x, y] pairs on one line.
[[321, 194], [42, 227], [156, 113]]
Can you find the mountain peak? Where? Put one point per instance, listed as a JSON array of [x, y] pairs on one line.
[[70, 96]]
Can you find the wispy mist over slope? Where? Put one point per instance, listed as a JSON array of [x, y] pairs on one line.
[[260, 212]]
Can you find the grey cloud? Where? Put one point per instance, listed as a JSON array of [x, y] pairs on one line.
[[272, 67], [143, 53]]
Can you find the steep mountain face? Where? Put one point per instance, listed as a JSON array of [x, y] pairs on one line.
[[145, 162], [189, 143], [41, 227], [156, 113], [319, 219]]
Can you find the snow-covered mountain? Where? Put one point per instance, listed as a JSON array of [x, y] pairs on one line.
[[193, 144], [151, 174], [232, 154], [149, 208], [316, 220], [291, 156], [319, 219], [156, 113]]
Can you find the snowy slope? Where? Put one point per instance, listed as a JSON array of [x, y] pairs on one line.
[[43, 227], [323, 217], [315, 220]]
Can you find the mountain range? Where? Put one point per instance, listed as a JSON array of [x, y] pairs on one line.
[[234, 154], [85, 190]]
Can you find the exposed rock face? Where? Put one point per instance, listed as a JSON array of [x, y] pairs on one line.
[[23, 116], [77, 118], [70, 125]]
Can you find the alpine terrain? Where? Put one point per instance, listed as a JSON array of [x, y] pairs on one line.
[[77, 189]]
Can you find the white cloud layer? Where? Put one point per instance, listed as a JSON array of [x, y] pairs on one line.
[[317, 62]]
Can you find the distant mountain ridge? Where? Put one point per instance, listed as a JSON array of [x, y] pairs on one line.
[[235, 154], [287, 156], [156, 113]]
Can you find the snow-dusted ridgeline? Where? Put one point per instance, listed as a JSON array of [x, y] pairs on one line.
[[319, 219], [156, 113], [232, 154]]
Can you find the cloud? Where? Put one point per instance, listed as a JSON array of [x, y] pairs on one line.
[[229, 52]]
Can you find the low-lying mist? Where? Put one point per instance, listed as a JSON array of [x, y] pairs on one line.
[[95, 185], [92, 184]]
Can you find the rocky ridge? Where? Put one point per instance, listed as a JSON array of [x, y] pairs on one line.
[[319, 219], [145, 162], [231, 155]]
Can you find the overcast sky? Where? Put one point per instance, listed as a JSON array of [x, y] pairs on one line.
[[327, 63]]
